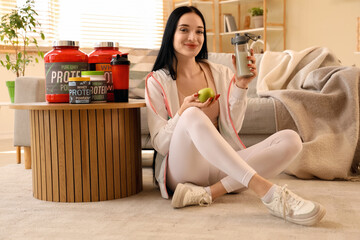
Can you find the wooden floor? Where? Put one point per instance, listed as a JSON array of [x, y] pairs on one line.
[[7, 152]]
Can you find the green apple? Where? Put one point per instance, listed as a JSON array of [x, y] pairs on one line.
[[205, 93]]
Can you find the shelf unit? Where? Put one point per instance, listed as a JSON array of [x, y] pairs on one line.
[[216, 31], [267, 26]]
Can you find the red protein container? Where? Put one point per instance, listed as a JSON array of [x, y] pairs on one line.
[[99, 60], [64, 61]]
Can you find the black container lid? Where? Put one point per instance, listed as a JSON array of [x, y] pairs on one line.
[[120, 59], [239, 39]]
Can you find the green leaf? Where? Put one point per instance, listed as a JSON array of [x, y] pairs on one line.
[[41, 54], [15, 27]]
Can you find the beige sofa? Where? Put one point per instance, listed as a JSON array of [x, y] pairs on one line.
[[259, 121]]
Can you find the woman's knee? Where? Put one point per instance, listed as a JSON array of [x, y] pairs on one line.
[[292, 140], [192, 115], [191, 111]]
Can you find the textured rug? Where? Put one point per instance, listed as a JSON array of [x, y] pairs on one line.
[[148, 216]]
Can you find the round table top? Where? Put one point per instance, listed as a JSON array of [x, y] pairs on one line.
[[68, 106]]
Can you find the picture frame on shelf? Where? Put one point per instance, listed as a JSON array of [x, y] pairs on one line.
[[225, 25], [229, 23]]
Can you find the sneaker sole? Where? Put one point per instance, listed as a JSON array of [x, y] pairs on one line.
[[178, 197], [307, 221], [313, 220]]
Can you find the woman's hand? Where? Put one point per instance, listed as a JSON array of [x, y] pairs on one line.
[[243, 82], [193, 101]]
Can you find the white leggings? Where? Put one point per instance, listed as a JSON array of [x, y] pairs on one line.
[[200, 155]]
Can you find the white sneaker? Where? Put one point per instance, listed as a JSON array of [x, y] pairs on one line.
[[286, 204], [189, 194]]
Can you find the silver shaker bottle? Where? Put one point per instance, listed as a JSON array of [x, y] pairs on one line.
[[242, 52]]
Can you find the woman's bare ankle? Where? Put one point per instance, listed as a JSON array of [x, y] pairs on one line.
[[259, 185], [217, 190]]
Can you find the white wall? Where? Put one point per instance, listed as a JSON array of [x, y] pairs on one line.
[[329, 23]]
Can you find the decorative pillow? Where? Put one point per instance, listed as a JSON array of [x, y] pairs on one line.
[[221, 58], [141, 64]]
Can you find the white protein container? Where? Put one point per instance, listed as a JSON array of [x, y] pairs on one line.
[[98, 85]]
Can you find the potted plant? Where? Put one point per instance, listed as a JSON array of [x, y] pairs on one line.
[[257, 16], [19, 29]]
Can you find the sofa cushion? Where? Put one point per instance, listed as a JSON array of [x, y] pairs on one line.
[[221, 58], [144, 124], [259, 117], [146, 141], [251, 139]]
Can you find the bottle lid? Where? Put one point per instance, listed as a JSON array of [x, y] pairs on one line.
[[77, 79], [120, 59], [63, 43], [106, 44], [239, 39], [88, 73]]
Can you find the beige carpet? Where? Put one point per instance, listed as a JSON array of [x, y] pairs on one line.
[[148, 216]]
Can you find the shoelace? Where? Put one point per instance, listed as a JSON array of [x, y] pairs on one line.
[[288, 200], [204, 200]]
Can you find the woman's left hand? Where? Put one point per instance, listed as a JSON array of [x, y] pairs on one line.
[[243, 82]]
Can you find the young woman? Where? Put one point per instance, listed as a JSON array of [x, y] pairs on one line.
[[200, 156]]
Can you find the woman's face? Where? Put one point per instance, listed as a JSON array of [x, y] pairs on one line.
[[189, 36]]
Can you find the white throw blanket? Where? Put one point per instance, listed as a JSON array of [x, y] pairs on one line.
[[318, 98]]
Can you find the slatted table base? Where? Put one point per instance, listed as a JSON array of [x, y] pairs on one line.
[[86, 155]]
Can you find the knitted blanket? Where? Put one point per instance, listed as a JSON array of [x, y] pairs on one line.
[[318, 98]]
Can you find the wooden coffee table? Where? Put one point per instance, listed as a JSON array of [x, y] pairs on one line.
[[85, 152]]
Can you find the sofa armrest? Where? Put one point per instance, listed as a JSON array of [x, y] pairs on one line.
[[27, 89]]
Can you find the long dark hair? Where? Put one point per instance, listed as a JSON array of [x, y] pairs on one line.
[[166, 56]]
